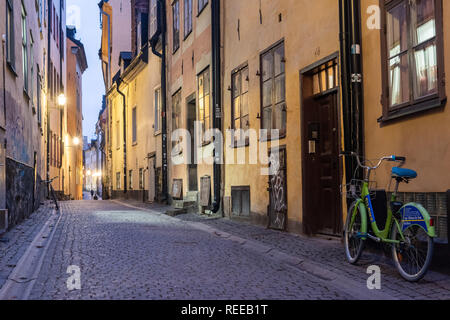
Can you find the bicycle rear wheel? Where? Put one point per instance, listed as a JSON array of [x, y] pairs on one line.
[[354, 244], [413, 256]]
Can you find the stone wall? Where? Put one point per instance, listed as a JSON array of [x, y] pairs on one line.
[[19, 191]]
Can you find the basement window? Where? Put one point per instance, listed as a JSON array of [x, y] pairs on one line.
[[240, 201]]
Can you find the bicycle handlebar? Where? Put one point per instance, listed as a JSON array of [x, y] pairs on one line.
[[388, 158]]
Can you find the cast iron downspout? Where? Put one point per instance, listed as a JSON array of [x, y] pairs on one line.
[[118, 82], [351, 75], [49, 6], [345, 80], [216, 100], [162, 55], [61, 112], [357, 85]]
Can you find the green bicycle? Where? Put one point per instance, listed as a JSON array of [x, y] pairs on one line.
[[409, 228]]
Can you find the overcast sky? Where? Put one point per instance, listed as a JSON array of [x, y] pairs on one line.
[[84, 14]]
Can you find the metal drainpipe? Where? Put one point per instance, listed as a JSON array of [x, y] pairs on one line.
[[165, 196], [351, 76], [49, 6], [345, 80], [357, 85], [118, 82], [217, 123], [165, 168], [61, 112]]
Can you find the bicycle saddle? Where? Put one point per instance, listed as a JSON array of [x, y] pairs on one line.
[[403, 173]]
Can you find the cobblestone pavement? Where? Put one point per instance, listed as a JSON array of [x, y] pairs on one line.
[[129, 253], [329, 254], [19, 238]]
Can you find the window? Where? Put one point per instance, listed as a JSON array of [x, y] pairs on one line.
[[176, 25], [118, 134], [57, 31], [130, 179], [201, 5], [157, 104], [141, 179], [40, 14], [204, 108], [10, 53], [413, 56], [134, 126], [153, 21], [273, 89], [38, 97], [187, 17], [24, 50], [176, 113], [240, 201], [118, 181], [50, 145], [31, 68], [325, 77], [239, 109]]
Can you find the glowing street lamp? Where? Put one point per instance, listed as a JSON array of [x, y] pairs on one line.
[[76, 141], [62, 100]]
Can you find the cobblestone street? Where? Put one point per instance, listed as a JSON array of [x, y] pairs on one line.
[[133, 251]]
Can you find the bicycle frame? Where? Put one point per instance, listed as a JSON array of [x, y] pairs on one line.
[[411, 213], [365, 206]]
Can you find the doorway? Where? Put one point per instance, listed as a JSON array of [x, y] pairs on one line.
[[320, 149], [192, 166]]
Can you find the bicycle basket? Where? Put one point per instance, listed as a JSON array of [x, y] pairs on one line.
[[353, 189]]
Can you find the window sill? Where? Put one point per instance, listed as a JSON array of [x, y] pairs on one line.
[[240, 144], [201, 10], [12, 69], [206, 143], [412, 110], [134, 144], [175, 50], [26, 95], [157, 133], [187, 35], [269, 138]]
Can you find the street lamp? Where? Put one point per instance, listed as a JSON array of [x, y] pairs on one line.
[[76, 141], [62, 100]]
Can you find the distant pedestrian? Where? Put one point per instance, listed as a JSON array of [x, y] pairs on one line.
[[92, 193]]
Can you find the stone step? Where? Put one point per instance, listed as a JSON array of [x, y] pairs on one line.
[[176, 212], [191, 196], [182, 204]]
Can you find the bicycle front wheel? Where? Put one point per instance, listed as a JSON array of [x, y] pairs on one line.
[[412, 257], [354, 244]]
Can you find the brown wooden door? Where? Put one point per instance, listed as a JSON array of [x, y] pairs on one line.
[[320, 165], [278, 189]]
